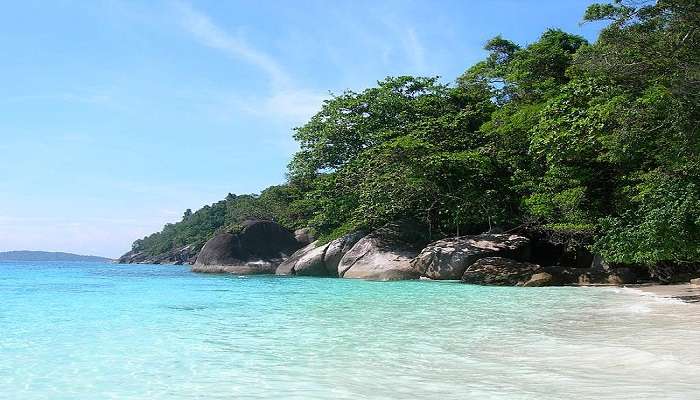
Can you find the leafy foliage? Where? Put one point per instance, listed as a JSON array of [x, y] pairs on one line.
[[274, 203], [582, 139]]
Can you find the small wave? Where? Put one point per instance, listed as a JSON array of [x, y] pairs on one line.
[[647, 295], [187, 308]]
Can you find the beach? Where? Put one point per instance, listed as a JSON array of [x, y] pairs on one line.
[[685, 292]]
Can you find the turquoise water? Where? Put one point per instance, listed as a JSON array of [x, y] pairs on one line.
[[100, 331]]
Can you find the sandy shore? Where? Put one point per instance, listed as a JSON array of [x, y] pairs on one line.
[[685, 291]]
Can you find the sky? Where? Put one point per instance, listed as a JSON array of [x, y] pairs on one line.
[[116, 116]]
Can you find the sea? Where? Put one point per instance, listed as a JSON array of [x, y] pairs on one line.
[[109, 331]]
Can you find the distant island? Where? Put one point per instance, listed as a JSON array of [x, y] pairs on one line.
[[25, 255]]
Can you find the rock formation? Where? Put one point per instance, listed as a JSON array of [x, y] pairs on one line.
[[257, 249], [319, 260], [304, 236], [449, 258], [383, 255], [180, 255], [499, 271]]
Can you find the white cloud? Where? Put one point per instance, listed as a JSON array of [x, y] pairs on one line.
[[414, 49], [211, 35], [407, 41], [286, 100], [293, 105]]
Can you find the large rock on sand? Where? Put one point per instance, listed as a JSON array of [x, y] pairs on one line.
[[449, 258], [498, 271], [257, 249], [539, 279], [319, 260], [383, 255]]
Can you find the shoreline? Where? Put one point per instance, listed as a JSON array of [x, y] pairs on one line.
[[685, 292]]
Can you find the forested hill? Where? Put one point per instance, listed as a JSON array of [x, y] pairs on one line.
[[34, 256], [600, 139]]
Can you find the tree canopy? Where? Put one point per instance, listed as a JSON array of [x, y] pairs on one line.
[[560, 134]]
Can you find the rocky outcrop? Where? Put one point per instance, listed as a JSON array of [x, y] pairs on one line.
[[449, 258], [258, 249], [695, 281], [178, 256], [319, 260], [563, 248], [383, 255], [674, 273], [622, 276], [305, 236], [338, 248], [286, 267], [499, 271], [393, 252], [133, 257], [539, 279], [576, 276]]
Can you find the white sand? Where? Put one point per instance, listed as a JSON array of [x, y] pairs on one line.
[[684, 291]]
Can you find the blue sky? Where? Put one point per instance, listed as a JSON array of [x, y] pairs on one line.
[[115, 116]]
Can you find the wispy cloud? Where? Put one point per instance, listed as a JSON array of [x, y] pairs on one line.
[[211, 35], [293, 105], [414, 49], [285, 100], [407, 41]]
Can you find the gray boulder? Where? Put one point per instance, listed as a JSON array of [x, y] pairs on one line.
[[286, 267], [577, 276], [312, 263], [133, 257], [499, 271], [383, 255], [539, 279], [674, 273], [449, 258], [622, 276], [338, 248], [304, 236], [319, 260], [178, 256], [257, 249]]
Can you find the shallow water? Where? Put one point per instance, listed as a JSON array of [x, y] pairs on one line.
[[101, 331]]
